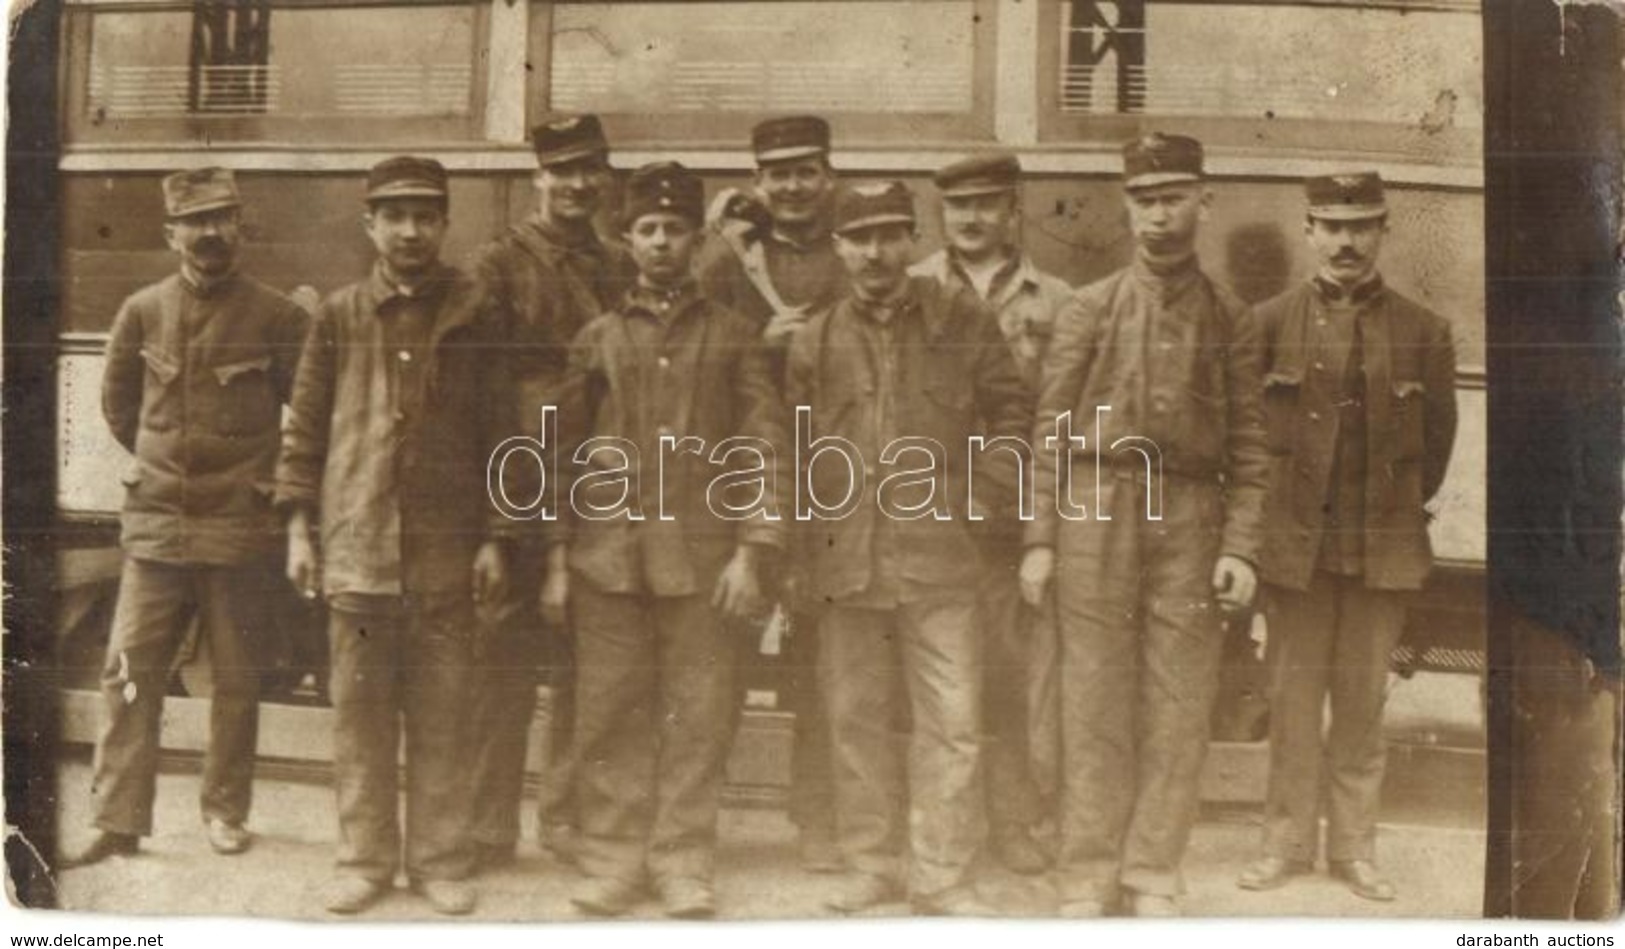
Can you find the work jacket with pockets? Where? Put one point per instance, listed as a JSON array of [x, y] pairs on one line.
[[1410, 404], [1177, 358], [435, 449], [954, 379], [664, 393], [194, 386]]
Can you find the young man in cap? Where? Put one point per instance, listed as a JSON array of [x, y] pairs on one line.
[[655, 565], [1161, 358], [901, 361], [198, 367], [981, 217], [547, 277], [1360, 408], [401, 398], [782, 274]]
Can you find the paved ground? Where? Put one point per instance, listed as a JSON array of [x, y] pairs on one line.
[[1439, 869]]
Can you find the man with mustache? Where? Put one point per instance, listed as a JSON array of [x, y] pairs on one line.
[[547, 277], [198, 368], [981, 217], [1360, 405], [782, 275], [906, 372], [1164, 358], [402, 397]]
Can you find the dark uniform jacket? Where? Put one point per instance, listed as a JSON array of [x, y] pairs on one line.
[[194, 386], [683, 368], [1410, 404], [544, 289], [377, 435], [1178, 359], [953, 378]]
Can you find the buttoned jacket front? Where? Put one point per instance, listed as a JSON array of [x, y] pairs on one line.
[[953, 379], [1410, 406]]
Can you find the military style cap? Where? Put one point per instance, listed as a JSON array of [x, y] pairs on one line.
[[1159, 159], [1356, 196], [199, 190], [665, 186], [565, 138], [407, 176], [795, 136], [887, 202], [979, 174]]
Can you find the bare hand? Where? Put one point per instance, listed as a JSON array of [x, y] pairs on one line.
[[738, 592], [304, 563], [1037, 568], [555, 596], [1234, 581], [490, 573], [784, 324]]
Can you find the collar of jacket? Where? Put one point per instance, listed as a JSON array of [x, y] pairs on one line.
[[1169, 279], [202, 288], [911, 300], [453, 300], [551, 244], [819, 236], [662, 305], [1019, 271], [1331, 291]]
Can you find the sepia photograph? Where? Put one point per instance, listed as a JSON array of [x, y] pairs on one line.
[[522, 461]]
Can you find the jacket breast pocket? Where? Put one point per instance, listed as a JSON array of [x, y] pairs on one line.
[[245, 398], [1281, 392], [1409, 427], [161, 406]]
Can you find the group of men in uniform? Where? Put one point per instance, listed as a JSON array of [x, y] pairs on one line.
[[980, 661]]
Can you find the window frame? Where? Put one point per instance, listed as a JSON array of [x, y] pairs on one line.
[[634, 130], [1281, 137], [79, 130]]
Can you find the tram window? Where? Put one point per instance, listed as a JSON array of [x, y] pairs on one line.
[[283, 71], [1403, 75], [885, 70]]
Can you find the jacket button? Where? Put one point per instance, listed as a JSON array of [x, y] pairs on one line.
[[405, 356], [1320, 366], [1314, 416], [664, 362]]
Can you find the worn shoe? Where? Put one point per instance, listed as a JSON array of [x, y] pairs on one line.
[[347, 895], [863, 891], [1018, 852], [607, 896], [955, 901], [492, 856], [559, 842], [688, 898], [1364, 879], [818, 852], [226, 838], [1154, 906], [1271, 873], [447, 897], [105, 844]]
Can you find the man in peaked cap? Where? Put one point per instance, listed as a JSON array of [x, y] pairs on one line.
[[402, 396], [1160, 357], [547, 277], [901, 361], [650, 596], [781, 275], [1360, 404], [198, 367], [981, 218]]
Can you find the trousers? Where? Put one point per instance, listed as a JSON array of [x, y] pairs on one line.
[[157, 602], [397, 672], [925, 653], [1140, 647], [1333, 640]]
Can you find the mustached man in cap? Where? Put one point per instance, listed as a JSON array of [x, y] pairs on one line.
[[547, 276], [782, 272], [899, 377], [981, 218], [1162, 357], [401, 398], [660, 559], [1360, 404], [198, 367]]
